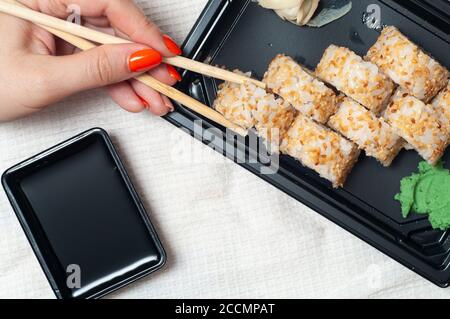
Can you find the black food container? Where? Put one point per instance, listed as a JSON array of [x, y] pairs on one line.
[[242, 35]]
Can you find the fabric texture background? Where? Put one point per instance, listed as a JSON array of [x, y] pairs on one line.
[[227, 233]]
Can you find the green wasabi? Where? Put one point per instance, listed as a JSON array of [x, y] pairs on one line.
[[427, 192]]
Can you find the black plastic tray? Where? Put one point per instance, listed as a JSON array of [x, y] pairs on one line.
[[242, 35]]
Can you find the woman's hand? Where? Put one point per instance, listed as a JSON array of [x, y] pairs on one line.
[[37, 69]]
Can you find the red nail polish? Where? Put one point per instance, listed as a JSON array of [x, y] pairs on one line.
[[144, 102], [171, 45], [173, 72], [144, 59]]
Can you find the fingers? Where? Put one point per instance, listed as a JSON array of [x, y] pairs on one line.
[[64, 48], [21, 30], [168, 103], [162, 74], [98, 67], [135, 97], [122, 15], [123, 94], [101, 22], [109, 65], [138, 28], [156, 103]]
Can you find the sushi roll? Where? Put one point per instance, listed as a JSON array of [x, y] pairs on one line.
[[356, 78], [320, 149], [236, 103], [418, 124], [272, 116], [250, 106], [441, 104], [408, 65], [370, 133], [303, 91]]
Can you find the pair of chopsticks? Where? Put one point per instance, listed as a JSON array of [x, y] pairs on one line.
[[78, 36]]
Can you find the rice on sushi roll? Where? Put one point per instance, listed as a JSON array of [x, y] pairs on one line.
[[408, 65], [251, 106], [441, 104], [236, 103], [320, 149], [362, 81], [302, 90], [273, 116], [370, 133], [418, 124]]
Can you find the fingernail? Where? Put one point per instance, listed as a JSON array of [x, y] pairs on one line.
[[171, 45], [170, 107], [144, 59], [144, 102], [168, 104], [173, 72]]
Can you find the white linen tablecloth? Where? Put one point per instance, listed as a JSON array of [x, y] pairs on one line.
[[228, 234]]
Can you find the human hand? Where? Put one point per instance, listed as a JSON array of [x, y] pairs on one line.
[[38, 69]]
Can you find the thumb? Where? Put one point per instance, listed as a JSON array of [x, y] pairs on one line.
[[101, 66]]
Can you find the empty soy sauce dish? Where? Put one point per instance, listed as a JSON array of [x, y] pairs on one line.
[[83, 218]]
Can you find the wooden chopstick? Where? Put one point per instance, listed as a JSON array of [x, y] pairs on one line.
[[150, 81], [100, 37]]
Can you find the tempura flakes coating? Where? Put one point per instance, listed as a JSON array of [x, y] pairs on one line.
[[303, 91], [320, 149], [418, 124], [408, 65], [362, 81], [370, 133]]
